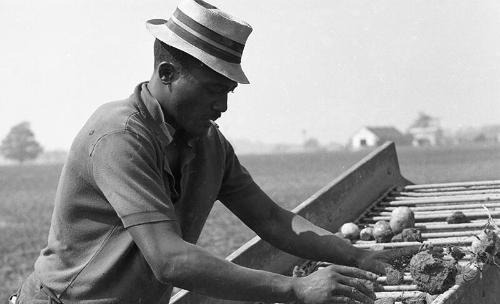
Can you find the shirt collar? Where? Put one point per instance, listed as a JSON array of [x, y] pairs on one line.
[[154, 111]]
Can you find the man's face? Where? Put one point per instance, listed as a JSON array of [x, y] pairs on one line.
[[196, 97]]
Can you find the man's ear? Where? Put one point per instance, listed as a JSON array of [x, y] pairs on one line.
[[167, 72]]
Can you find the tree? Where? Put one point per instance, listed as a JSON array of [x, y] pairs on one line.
[[20, 143], [423, 121], [311, 144]]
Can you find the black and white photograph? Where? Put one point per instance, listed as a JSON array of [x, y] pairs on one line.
[[231, 151]]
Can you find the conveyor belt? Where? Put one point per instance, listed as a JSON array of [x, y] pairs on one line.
[[432, 204]]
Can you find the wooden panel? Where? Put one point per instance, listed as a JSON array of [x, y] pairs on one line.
[[344, 199]]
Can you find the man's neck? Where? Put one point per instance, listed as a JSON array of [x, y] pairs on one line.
[[152, 86]]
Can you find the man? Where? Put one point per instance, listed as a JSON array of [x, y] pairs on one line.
[[143, 174]]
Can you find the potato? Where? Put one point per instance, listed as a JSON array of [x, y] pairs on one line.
[[366, 234], [401, 218], [397, 238], [350, 231], [411, 235], [457, 217], [408, 235], [382, 232], [394, 276]]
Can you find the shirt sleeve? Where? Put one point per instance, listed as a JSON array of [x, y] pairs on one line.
[[125, 170], [237, 182]]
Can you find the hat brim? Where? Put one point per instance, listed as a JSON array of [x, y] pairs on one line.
[[158, 28]]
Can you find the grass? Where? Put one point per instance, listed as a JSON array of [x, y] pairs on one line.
[[27, 193], [26, 199]]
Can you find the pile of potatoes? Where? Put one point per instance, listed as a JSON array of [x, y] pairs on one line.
[[400, 228]]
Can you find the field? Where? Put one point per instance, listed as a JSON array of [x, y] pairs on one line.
[[27, 193]]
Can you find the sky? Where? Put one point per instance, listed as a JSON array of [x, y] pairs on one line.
[[318, 69]]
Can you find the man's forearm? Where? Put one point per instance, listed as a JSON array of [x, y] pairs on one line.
[[296, 235], [195, 269]]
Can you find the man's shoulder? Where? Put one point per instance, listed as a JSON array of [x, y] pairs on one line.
[[116, 117], [113, 116]]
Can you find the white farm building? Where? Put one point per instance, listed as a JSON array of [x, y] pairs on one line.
[[374, 136]]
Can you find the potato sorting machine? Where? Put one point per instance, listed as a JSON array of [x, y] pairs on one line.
[[366, 193]]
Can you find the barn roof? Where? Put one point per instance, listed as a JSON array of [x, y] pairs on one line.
[[386, 132]]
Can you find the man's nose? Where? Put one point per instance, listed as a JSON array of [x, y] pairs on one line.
[[220, 104]]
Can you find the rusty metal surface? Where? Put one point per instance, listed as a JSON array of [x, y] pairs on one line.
[[349, 195]]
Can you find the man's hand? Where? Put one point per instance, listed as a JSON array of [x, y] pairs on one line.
[[336, 284], [378, 261]]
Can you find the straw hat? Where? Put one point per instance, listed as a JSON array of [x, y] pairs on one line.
[[212, 36]]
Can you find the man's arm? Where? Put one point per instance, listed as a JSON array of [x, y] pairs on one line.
[[291, 232], [125, 170], [188, 266], [282, 228]]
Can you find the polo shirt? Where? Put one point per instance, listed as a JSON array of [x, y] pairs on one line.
[[117, 175]]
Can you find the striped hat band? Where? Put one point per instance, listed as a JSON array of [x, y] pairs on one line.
[[204, 38]]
